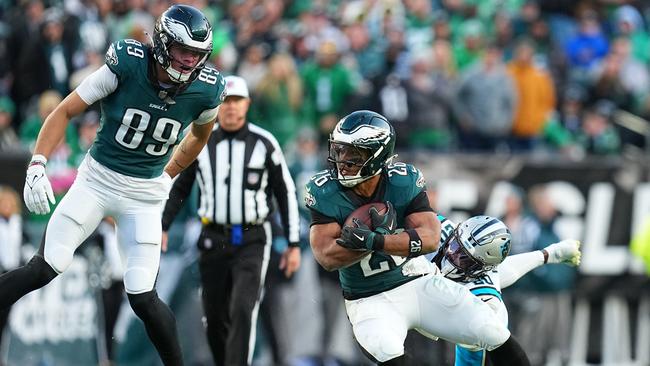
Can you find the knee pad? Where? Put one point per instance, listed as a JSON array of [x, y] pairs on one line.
[[140, 275], [492, 335], [382, 349], [61, 240], [41, 272]]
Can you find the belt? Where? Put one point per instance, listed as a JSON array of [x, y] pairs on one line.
[[226, 228]]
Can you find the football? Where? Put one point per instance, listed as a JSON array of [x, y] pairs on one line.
[[363, 213]]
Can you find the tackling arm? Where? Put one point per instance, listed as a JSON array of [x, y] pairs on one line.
[[330, 255], [515, 266], [189, 148]]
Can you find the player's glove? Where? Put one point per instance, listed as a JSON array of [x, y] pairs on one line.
[[360, 237], [384, 224], [566, 251], [38, 189]]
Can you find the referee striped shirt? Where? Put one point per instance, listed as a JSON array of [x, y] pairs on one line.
[[238, 174]]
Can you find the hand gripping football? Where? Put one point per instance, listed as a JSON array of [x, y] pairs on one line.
[[363, 213]]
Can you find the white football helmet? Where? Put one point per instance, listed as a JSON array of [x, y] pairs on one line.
[[478, 245]]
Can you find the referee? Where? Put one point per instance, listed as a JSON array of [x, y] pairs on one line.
[[238, 171]]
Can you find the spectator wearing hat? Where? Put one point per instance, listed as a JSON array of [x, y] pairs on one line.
[[629, 24], [471, 44], [240, 170]]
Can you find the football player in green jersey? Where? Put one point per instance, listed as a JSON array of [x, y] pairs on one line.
[[148, 96], [388, 286]]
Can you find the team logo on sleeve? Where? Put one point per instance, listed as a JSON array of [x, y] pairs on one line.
[[309, 199], [420, 182], [222, 97], [111, 55]]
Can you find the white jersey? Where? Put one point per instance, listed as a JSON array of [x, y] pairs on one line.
[[488, 289]]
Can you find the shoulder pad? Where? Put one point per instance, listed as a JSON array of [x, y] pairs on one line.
[[318, 188], [405, 175], [124, 57], [211, 86]]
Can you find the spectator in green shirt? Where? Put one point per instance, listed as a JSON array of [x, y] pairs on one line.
[[328, 86], [278, 99]]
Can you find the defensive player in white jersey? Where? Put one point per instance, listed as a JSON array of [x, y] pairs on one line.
[[148, 96], [475, 254]]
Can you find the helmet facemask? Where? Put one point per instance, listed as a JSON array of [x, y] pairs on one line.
[[458, 262], [347, 157]]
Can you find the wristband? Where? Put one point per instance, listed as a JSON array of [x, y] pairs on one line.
[[415, 243], [378, 242], [545, 253], [38, 159]]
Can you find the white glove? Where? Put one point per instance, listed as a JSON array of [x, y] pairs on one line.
[[38, 189], [566, 251]]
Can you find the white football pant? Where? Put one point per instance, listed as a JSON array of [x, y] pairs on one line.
[[433, 305], [137, 222]]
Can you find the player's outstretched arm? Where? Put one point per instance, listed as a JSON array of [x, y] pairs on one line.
[[189, 148], [330, 255], [421, 226], [516, 266], [37, 192]]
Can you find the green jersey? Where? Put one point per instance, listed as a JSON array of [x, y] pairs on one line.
[[138, 129], [401, 184]]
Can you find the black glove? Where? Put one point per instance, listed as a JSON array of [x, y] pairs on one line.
[[384, 224], [360, 237]]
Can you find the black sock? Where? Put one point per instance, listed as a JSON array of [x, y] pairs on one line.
[[160, 324], [509, 354], [23, 280], [402, 360]]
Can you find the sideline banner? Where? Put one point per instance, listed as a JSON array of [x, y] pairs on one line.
[[599, 201], [56, 325]]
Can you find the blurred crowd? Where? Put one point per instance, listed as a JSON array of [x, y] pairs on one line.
[[570, 78], [453, 75]]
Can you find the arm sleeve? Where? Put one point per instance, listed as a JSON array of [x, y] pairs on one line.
[[516, 266], [419, 203], [179, 192], [97, 85], [207, 116], [318, 218], [284, 191]]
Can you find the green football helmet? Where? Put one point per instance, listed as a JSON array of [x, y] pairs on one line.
[[185, 26], [362, 141]]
